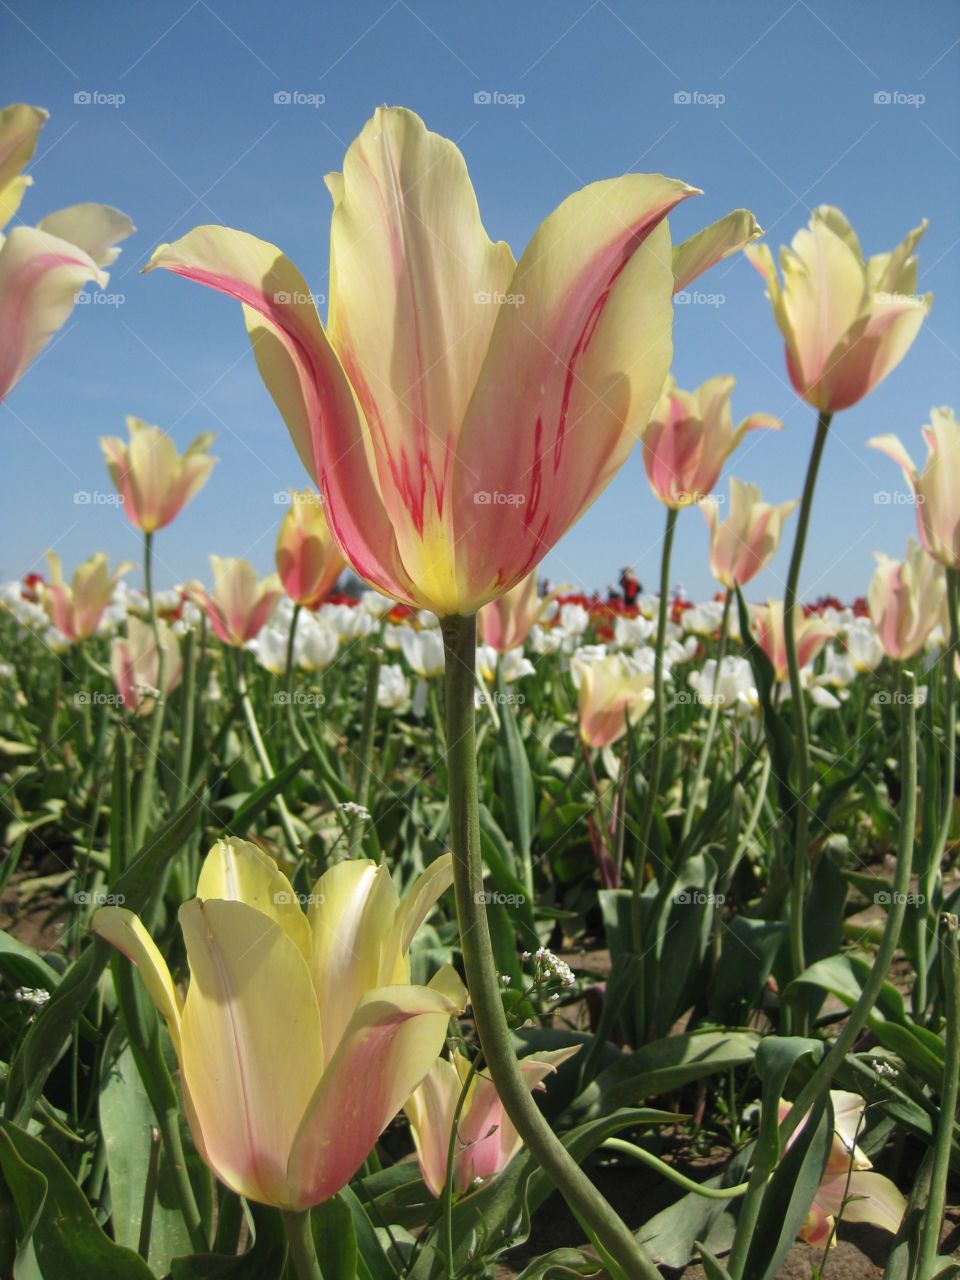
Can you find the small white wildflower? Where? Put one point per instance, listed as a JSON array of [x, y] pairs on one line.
[[353, 810], [32, 995]]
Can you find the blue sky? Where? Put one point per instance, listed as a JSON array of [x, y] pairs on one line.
[[200, 138]]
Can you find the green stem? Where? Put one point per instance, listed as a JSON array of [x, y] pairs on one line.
[[169, 1121], [187, 706], [460, 643], [712, 722], [659, 726], [671, 1174], [303, 1251], [361, 782], [822, 1077], [145, 793], [261, 753], [451, 1170], [937, 1196], [149, 1195], [802, 797], [291, 715]]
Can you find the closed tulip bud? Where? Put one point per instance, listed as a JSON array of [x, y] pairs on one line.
[[239, 603], [612, 696], [812, 634], [486, 1139], [43, 268], [936, 488], [460, 411], [155, 482], [846, 321], [301, 1034], [76, 610], [134, 664], [906, 598], [747, 540], [689, 437], [308, 560], [506, 622]]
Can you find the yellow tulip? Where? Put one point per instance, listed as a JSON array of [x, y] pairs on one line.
[[155, 481], [300, 1036], [76, 610]]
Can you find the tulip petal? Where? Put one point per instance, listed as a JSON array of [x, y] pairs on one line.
[[720, 240], [126, 931], [393, 1039], [575, 370], [20, 126], [238, 871], [304, 376], [94, 228], [876, 1200], [422, 896], [252, 1050], [896, 450], [415, 290], [40, 276], [430, 1109]]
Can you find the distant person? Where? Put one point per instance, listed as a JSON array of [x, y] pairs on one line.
[[630, 587]]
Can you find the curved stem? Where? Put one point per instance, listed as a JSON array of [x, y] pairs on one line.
[[451, 1169], [261, 753], [802, 795], [303, 1251], [460, 642], [671, 1174], [712, 722], [145, 794]]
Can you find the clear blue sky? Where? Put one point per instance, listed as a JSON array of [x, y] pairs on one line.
[[199, 138]]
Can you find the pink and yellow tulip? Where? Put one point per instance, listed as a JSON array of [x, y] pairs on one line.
[[846, 1187], [906, 598], [505, 622], [460, 411], [747, 540], [486, 1139], [155, 481], [301, 1035], [43, 268], [937, 487], [812, 634], [308, 560], [76, 610], [846, 321], [134, 664], [239, 603], [612, 696], [689, 437]]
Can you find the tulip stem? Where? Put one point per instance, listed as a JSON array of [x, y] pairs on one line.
[[288, 672], [585, 1201], [303, 1250], [145, 794], [361, 782], [452, 1168], [261, 753], [802, 796], [936, 1198], [712, 722], [673, 1175]]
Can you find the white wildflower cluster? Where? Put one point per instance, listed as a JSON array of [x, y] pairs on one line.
[[35, 996], [350, 809], [550, 970]]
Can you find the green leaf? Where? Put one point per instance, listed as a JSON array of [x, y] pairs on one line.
[[559, 1264], [513, 774], [335, 1237], [748, 950], [266, 1258], [54, 1217], [259, 800]]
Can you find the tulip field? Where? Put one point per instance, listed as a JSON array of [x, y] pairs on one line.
[[401, 915]]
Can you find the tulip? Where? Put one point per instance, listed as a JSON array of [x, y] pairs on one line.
[[308, 560], [747, 540], [936, 488], [301, 1035], [906, 598], [155, 482], [43, 268], [460, 411], [486, 1139], [689, 437], [613, 695], [506, 622], [845, 1187], [811, 633], [846, 322], [135, 665], [239, 604], [77, 610]]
